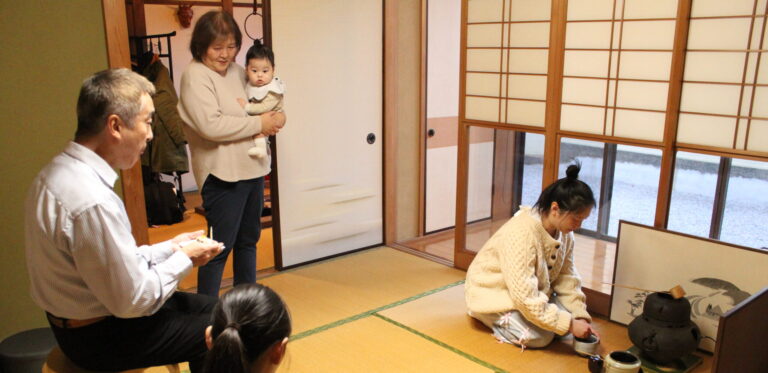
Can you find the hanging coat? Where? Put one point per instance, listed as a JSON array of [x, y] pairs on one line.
[[168, 151]]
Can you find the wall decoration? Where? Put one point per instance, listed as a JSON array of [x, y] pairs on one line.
[[185, 14], [715, 275]]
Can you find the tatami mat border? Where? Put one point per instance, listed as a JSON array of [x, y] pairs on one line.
[[441, 344], [371, 312]]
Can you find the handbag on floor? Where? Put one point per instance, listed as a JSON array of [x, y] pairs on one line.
[[164, 206]]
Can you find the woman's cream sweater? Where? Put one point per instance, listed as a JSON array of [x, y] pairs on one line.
[[218, 129], [519, 268]]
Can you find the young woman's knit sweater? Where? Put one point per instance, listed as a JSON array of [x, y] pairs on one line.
[[519, 268]]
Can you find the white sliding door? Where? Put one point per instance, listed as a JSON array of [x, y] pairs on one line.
[[329, 53]]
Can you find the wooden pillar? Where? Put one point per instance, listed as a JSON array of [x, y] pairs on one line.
[[390, 120], [672, 113], [118, 55], [554, 90]]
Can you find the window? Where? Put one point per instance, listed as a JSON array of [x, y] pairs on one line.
[[720, 198], [625, 180], [505, 171], [746, 204], [693, 193]]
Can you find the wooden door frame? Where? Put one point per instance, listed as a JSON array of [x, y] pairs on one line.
[[119, 55], [116, 30]]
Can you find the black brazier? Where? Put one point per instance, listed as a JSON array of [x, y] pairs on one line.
[[664, 332]]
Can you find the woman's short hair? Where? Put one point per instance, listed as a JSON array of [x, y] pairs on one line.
[[247, 321], [114, 91], [570, 193], [213, 26]]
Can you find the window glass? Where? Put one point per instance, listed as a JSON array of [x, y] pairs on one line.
[[501, 177], [533, 169], [590, 155], [693, 193], [635, 186], [746, 204], [480, 185]]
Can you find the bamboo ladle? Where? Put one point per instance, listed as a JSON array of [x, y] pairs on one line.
[[677, 291]]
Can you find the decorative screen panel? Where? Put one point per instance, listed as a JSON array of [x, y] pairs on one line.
[[618, 56], [506, 61], [724, 99]]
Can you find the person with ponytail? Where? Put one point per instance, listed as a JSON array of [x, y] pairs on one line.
[[250, 331], [522, 283]]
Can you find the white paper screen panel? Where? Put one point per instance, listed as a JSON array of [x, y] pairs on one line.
[[527, 86], [742, 125], [642, 9], [746, 101], [758, 33], [530, 10], [762, 73], [632, 63], [484, 35], [510, 38], [749, 77], [760, 105], [586, 63], [482, 108], [483, 84], [643, 125], [529, 34], [590, 9], [484, 10], [528, 61], [582, 119], [648, 35], [727, 34], [584, 91], [645, 65], [484, 60], [720, 8], [642, 95], [723, 67], [526, 112], [583, 35], [706, 130], [710, 99], [758, 135]]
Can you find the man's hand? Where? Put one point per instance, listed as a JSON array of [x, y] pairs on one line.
[[272, 122], [581, 328], [189, 236], [200, 251]]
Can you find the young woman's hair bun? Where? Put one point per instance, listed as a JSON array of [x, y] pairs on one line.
[[572, 172]]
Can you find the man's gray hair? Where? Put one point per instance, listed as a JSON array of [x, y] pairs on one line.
[[114, 91]]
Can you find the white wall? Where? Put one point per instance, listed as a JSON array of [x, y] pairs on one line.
[[444, 33]]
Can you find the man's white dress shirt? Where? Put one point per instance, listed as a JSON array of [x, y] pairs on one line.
[[81, 257]]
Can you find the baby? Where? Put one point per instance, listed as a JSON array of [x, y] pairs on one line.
[[264, 90]]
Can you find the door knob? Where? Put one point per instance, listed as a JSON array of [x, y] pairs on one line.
[[431, 132], [371, 138]]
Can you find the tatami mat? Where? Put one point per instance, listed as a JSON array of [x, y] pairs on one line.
[[333, 290], [372, 345], [442, 316]]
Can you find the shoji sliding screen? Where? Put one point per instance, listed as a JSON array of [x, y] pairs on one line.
[[616, 67], [507, 44], [725, 88]]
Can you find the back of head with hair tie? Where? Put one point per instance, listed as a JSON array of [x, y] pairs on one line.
[[572, 172], [261, 320], [233, 325], [570, 193]]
